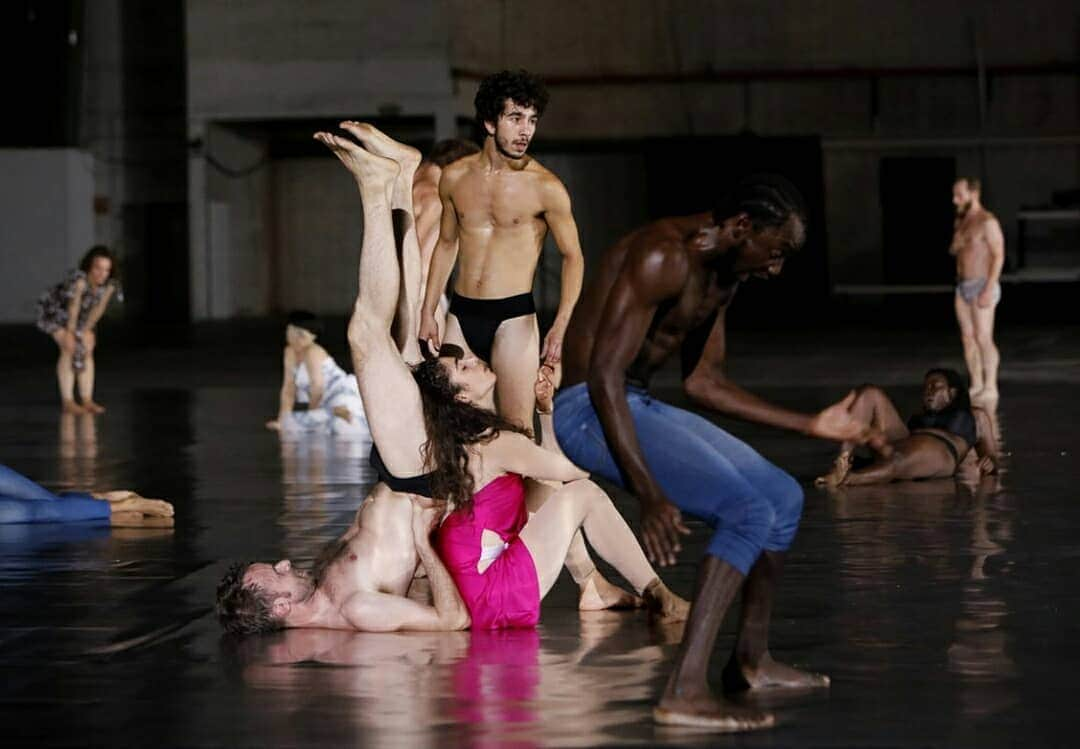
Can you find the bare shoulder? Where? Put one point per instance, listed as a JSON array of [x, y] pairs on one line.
[[455, 171], [315, 354], [989, 221], [655, 263], [289, 357]]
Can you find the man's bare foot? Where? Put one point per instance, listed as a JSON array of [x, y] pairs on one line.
[[143, 506], [93, 407], [665, 605], [835, 477], [116, 495], [71, 407], [381, 144], [769, 674], [138, 520], [597, 594], [710, 713], [373, 172]]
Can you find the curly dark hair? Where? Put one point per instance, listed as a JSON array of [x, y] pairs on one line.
[[768, 199], [520, 86], [453, 426], [244, 609], [98, 250], [446, 152]]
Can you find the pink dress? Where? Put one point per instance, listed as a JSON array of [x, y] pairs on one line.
[[507, 593]]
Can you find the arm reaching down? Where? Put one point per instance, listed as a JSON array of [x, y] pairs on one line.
[[382, 612], [560, 220], [287, 397], [442, 262]]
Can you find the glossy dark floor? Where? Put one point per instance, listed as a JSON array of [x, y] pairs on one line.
[[946, 613]]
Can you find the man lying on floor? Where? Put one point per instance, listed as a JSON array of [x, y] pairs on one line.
[[933, 444]]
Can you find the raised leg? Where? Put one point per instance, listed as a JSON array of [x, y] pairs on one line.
[[391, 399], [874, 408], [582, 504]]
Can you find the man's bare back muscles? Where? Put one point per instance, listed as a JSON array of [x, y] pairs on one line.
[[500, 223]]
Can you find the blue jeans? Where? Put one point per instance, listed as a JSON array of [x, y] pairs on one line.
[[23, 501], [750, 504]]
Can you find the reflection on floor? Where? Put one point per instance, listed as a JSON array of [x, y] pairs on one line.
[[945, 611]]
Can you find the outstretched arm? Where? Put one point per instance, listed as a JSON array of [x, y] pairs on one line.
[[709, 386], [515, 453], [560, 220]]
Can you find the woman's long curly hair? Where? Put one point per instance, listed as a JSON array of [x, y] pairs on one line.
[[453, 427]]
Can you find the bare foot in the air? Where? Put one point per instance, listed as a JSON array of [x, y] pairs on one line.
[[597, 594], [371, 171], [93, 407], [381, 144], [664, 605], [709, 713], [71, 407], [769, 674], [835, 477]]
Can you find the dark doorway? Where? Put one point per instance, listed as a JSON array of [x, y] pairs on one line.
[[685, 175], [917, 219]]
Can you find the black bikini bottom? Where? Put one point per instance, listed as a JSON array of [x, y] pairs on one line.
[[480, 318], [420, 485]]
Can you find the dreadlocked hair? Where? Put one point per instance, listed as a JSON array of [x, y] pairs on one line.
[[453, 427], [768, 199]]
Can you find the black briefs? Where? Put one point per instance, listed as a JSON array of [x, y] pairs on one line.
[[947, 442], [420, 485], [480, 318]]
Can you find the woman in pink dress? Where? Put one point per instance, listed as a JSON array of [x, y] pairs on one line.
[[503, 561]]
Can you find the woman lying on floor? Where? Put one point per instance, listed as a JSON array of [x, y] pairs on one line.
[[23, 501], [933, 444]]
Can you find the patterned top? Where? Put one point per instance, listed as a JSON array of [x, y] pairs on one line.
[[53, 304]]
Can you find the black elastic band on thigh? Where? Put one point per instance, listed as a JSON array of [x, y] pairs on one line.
[[948, 443]]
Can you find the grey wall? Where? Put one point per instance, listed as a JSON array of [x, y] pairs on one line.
[[48, 223], [873, 79]]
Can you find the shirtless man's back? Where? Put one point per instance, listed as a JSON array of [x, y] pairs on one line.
[[497, 208], [979, 247]]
